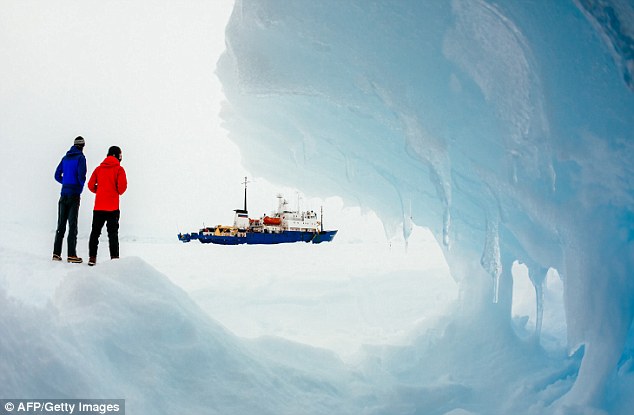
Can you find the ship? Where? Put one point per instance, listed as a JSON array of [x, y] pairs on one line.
[[282, 226]]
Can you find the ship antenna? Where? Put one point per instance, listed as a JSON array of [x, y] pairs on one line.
[[322, 218]]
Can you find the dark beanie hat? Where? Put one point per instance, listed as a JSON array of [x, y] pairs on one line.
[[79, 141], [114, 151]]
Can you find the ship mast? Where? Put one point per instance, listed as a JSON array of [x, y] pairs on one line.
[[245, 193]]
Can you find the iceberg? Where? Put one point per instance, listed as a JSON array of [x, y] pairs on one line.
[[505, 128]]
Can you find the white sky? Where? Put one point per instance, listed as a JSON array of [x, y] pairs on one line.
[[138, 74]]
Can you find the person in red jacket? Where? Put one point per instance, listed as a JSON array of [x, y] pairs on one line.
[[108, 182]]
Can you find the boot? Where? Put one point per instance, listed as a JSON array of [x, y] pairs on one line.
[[92, 261], [75, 260]]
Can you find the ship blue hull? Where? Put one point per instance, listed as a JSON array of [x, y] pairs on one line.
[[256, 238]]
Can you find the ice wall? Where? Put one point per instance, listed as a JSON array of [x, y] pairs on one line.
[[507, 129]]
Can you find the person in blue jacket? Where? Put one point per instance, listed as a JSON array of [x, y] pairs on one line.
[[71, 173]]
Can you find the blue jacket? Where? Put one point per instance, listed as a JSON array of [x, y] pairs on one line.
[[71, 172]]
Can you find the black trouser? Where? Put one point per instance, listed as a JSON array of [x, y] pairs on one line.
[[111, 219], [67, 211]]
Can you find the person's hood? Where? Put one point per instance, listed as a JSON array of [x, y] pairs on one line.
[[110, 161], [74, 152]]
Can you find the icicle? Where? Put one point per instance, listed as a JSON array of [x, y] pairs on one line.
[[408, 224], [491, 260], [537, 276], [445, 228], [539, 318]]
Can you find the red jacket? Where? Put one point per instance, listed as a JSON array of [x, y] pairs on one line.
[[108, 181]]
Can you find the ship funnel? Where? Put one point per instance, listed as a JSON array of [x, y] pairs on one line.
[[241, 219]]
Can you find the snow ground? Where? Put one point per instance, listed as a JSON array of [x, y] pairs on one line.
[[344, 327], [338, 296], [130, 328]]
